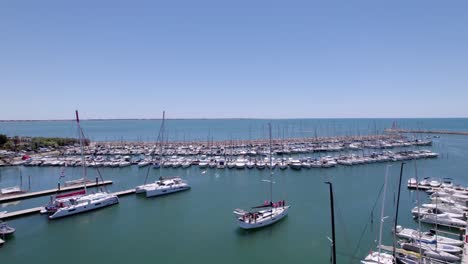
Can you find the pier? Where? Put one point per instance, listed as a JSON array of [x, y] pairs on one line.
[[21, 213], [22, 196], [36, 210], [443, 132]]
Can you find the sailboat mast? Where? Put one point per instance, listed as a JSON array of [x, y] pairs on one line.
[[161, 144], [382, 211], [80, 136], [332, 208], [271, 166], [397, 207]]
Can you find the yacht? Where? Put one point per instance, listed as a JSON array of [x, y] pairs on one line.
[[426, 237], [295, 164], [442, 219], [240, 163], [221, 164], [428, 252], [271, 214], [166, 186], [81, 201], [70, 206]]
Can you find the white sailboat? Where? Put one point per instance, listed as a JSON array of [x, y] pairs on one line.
[[380, 257], [266, 214], [164, 185], [81, 201]]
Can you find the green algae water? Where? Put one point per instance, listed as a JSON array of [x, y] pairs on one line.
[[198, 225]]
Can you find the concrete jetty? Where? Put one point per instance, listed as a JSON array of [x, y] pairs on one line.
[[446, 132], [10, 198]]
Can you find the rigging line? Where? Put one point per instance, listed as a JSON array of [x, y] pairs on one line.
[[365, 228], [341, 222], [97, 168], [153, 153], [102, 180]]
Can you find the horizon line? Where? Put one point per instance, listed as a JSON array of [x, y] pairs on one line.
[[221, 118]]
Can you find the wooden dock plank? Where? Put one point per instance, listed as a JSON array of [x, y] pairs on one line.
[[29, 195]]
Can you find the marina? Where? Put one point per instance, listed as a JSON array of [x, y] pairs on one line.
[[225, 173], [246, 132]]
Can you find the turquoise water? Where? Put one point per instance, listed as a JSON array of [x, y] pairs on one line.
[[198, 225]]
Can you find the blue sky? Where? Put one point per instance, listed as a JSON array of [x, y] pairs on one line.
[[211, 59]]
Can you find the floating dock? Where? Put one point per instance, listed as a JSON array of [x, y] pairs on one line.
[[38, 209], [21, 213], [126, 192], [10, 198]]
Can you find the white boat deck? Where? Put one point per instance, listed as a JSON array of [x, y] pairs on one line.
[[1, 242]]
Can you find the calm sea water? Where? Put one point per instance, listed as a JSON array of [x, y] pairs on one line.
[[198, 226], [220, 129]]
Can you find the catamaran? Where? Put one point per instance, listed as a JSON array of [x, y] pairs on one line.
[[266, 214], [165, 185], [80, 201]]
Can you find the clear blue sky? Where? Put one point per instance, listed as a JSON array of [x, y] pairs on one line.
[[209, 59]]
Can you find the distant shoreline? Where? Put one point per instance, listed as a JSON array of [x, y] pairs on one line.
[[233, 118]]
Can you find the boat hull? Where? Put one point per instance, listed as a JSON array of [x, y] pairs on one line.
[[84, 208], [159, 192], [269, 221]]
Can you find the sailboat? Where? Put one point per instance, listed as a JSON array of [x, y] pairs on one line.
[[164, 185], [266, 214], [80, 201], [380, 257]]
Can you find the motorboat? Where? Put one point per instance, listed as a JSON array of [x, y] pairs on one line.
[[442, 219], [240, 163], [295, 164], [6, 230], [260, 165], [421, 211], [434, 183], [412, 182], [428, 252], [425, 182], [221, 164], [250, 164], [445, 208], [425, 237], [166, 186]]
